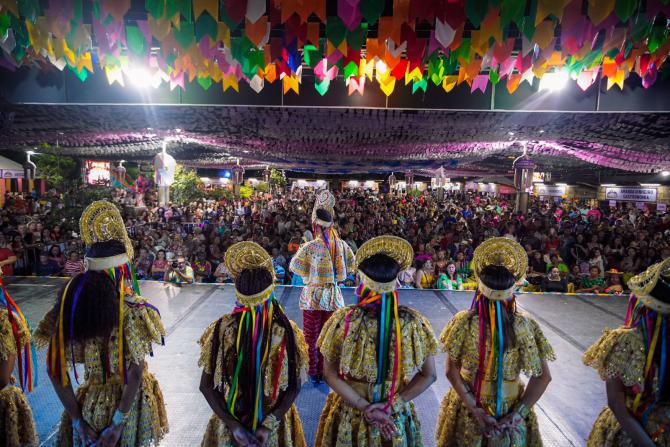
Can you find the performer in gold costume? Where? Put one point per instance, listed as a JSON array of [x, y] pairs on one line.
[[17, 427], [633, 361], [119, 402], [488, 347], [252, 361], [378, 357]]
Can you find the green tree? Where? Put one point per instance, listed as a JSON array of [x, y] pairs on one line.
[[277, 177], [262, 187], [246, 192], [187, 186], [57, 170]]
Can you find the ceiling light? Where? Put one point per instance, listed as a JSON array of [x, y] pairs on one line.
[[541, 130], [31, 152], [608, 184], [510, 133], [650, 184], [140, 77], [554, 82], [665, 173]]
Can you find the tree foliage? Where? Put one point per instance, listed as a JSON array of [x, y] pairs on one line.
[[246, 192], [277, 177], [187, 186], [57, 170]]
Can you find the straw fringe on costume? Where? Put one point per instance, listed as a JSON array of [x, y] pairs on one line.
[[460, 339], [17, 427], [100, 394], [276, 380], [627, 354], [356, 353]]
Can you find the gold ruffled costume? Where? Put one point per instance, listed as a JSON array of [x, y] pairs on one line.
[[620, 353], [17, 427], [98, 399], [342, 425], [289, 433], [455, 425]]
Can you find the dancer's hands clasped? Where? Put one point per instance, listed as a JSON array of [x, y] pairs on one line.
[[379, 417]]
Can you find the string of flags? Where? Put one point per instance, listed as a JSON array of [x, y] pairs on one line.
[[422, 43]]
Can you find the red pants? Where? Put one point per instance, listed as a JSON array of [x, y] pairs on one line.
[[313, 321]]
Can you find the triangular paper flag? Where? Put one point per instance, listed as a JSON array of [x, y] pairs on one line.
[[356, 85], [229, 81], [617, 79], [513, 82], [444, 33], [256, 83], [291, 83], [449, 82], [479, 83]]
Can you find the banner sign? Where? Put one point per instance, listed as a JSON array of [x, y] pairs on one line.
[[11, 173], [631, 193], [661, 207], [550, 190]]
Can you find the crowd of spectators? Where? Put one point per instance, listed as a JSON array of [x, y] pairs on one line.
[[571, 247]]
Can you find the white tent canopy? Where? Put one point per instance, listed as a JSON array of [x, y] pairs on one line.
[[10, 169]]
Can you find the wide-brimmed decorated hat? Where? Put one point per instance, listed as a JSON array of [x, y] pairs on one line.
[[104, 233], [324, 201], [392, 246], [503, 252], [249, 255], [652, 287]]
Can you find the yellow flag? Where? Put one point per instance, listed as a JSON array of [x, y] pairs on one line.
[[291, 83], [230, 81], [617, 79], [449, 82]]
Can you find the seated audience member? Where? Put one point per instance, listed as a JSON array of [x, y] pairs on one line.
[[56, 255], [7, 258], [47, 267], [560, 265], [424, 278], [222, 275], [143, 264], [406, 278], [179, 272], [450, 280], [594, 283], [537, 268], [74, 265], [613, 282], [202, 268], [553, 282], [159, 266]]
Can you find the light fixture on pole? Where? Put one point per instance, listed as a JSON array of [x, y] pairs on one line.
[[29, 168]]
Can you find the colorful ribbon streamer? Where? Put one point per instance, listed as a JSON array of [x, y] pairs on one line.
[[25, 354]]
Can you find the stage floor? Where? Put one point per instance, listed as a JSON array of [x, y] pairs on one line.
[[566, 411]]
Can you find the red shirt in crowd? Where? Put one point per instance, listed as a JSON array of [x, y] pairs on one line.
[[6, 253]]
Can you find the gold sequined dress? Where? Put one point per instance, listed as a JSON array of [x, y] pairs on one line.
[[620, 353], [342, 425], [17, 427], [99, 396], [455, 425], [289, 433]]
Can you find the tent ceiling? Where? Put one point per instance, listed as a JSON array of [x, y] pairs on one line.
[[344, 140]]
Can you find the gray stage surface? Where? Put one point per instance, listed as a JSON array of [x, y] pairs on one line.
[[566, 411]]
